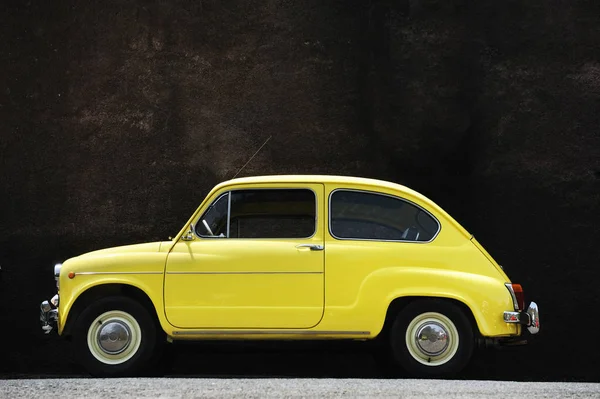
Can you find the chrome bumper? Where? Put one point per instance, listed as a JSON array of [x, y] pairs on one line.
[[529, 318], [49, 314]]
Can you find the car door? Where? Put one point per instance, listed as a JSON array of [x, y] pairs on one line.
[[256, 260]]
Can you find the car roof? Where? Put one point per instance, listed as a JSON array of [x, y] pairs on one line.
[[345, 180], [325, 179], [340, 180]]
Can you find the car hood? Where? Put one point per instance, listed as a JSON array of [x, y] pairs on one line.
[[128, 258], [125, 249]]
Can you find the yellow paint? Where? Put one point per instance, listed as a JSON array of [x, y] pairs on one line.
[[263, 288]]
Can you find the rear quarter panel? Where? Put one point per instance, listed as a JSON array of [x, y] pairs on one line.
[[363, 277]]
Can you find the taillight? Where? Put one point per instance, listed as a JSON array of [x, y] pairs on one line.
[[520, 295], [516, 291]]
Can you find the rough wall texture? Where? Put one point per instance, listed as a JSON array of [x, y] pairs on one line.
[[116, 117]]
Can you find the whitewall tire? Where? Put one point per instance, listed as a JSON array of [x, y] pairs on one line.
[[432, 337], [117, 336]]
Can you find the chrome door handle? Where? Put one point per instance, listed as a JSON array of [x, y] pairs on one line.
[[312, 247]]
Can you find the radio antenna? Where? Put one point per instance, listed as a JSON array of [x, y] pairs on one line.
[[252, 157]]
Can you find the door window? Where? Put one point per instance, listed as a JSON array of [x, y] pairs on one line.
[[261, 213], [214, 221]]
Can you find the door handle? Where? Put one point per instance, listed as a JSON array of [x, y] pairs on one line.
[[312, 247]]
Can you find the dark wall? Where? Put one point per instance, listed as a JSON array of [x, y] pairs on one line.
[[117, 117]]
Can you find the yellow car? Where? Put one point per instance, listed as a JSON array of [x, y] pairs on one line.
[[294, 257]]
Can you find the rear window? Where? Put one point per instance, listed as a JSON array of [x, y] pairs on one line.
[[371, 216]]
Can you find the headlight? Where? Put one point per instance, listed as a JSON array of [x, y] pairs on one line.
[[57, 272]]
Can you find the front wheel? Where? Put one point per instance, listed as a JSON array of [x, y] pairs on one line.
[[116, 336], [432, 338]]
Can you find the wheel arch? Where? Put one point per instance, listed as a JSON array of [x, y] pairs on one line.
[[399, 303], [105, 290]]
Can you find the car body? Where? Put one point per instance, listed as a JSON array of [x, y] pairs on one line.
[[295, 257]]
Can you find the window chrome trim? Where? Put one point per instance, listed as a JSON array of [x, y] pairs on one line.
[[383, 195], [316, 202], [269, 332], [110, 273], [243, 272], [228, 213]]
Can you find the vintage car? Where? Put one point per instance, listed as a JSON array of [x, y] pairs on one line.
[[295, 257]]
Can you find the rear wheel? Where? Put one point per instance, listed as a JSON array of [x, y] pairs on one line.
[[116, 336], [432, 338]]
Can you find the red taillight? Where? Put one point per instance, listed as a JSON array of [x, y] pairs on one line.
[[520, 295]]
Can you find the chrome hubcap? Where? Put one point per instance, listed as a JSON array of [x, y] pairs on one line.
[[114, 337], [432, 339]]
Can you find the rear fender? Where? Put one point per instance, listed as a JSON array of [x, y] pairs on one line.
[[486, 297]]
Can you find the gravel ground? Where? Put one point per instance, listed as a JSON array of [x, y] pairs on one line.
[[272, 387]]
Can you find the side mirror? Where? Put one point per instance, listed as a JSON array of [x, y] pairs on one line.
[[189, 235]]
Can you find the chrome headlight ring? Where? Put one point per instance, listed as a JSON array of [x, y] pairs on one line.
[[57, 268]]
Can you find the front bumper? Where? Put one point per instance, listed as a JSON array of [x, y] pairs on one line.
[[529, 318], [49, 314]]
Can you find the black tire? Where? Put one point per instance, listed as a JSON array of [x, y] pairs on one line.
[[432, 357], [124, 327]]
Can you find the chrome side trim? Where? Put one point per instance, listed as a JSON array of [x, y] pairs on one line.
[[384, 195], [94, 273], [240, 272], [269, 332]]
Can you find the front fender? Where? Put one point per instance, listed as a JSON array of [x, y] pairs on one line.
[[142, 270], [151, 285]]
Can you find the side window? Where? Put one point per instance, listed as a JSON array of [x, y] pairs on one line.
[[214, 221], [286, 213], [371, 216], [262, 213]]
